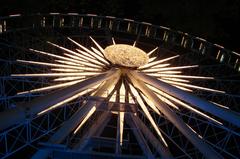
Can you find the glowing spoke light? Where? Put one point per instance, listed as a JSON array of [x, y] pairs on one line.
[[175, 79], [144, 108], [55, 74], [98, 46], [157, 62], [150, 104], [89, 114], [152, 59], [220, 105], [63, 48], [181, 76], [183, 104], [48, 88], [92, 54], [169, 72], [102, 63], [84, 62], [121, 126], [134, 44], [183, 88], [159, 66], [193, 86], [177, 68], [63, 102], [68, 63], [69, 78], [55, 56], [99, 53], [152, 51], [65, 70], [50, 64], [113, 41]]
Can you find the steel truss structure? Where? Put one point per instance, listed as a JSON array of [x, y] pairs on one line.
[[37, 136]]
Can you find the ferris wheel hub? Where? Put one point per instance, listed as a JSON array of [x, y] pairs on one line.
[[126, 55]]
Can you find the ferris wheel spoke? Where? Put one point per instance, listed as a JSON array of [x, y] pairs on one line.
[[225, 114], [152, 51], [39, 104], [48, 88], [79, 116], [95, 130], [139, 136], [149, 65], [204, 148], [162, 150], [146, 112]]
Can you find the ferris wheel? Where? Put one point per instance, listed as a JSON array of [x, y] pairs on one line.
[[103, 87]]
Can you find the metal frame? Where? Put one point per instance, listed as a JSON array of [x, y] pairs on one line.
[[15, 27]]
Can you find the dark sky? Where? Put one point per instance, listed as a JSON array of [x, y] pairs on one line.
[[216, 20]]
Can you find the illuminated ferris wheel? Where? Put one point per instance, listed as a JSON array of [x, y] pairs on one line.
[[101, 87]]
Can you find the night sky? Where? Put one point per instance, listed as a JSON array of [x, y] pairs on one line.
[[218, 21]]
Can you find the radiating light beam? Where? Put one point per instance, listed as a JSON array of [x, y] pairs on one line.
[[177, 68], [160, 65], [102, 62], [180, 76], [113, 41], [152, 51], [144, 108], [183, 88], [168, 102], [63, 102], [63, 48], [69, 78], [134, 44], [121, 126], [48, 88], [220, 105], [83, 61], [152, 59], [68, 63], [151, 105], [56, 56], [182, 104], [157, 62], [50, 64], [90, 52], [169, 72], [55, 74], [89, 114], [194, 131], [65, 70], [193, 86], [98, 52], [122, 94], [175, 79], [98, 46]]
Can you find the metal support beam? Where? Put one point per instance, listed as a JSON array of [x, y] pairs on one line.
[[204, 148], [222, 113], [27, 110], [74, 121], [163, 151], [95, 130], [141, 141]]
